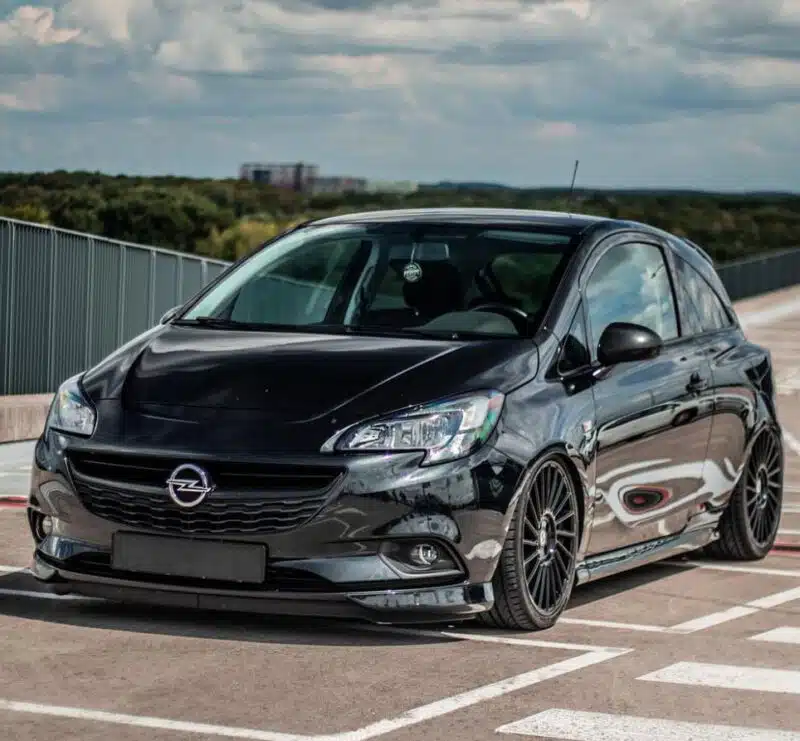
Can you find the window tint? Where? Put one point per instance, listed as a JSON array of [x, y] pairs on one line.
[[708, 311], [575, 351], [630, 283], [393, 276], [297, 288]]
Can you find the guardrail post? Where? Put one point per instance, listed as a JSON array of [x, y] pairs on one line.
[[87, 351], [122, 293], [12, 254], [152, 311], [51, 310]]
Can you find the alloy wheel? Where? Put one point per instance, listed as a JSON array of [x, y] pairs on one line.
[[549, 538], [763, 487]]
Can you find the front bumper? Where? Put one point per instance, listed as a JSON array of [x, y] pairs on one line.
[[332, 565]]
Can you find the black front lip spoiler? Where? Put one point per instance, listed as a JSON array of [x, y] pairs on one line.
[[421, 605]]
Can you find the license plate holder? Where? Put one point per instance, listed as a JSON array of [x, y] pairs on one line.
[[190, 558]]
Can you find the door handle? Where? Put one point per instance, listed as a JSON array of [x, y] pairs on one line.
[[696, 383]]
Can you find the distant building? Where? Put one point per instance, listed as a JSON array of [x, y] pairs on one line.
[[338, 184], [297, 176], [392, 186]]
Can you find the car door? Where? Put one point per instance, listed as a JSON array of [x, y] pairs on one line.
[[735, 401], [653, 417]]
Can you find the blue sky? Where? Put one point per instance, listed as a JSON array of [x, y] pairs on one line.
[[663, 93]]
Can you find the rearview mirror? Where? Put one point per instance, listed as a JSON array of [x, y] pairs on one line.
[[622, 342], [169, 314]]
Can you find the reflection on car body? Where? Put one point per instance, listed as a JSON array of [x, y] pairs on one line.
[[413, 416]]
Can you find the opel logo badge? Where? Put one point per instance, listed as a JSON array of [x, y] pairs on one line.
[[189, 485]]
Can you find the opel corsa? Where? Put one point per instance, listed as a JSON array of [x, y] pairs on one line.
[[416, 416]]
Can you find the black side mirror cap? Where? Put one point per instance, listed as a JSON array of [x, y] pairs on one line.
[[622, 342]]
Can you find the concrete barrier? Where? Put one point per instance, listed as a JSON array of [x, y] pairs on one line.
[[23, 417]]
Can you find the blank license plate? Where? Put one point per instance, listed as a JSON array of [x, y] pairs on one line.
[[193, 559]]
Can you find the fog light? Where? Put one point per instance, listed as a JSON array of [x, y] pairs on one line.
[[424, 554], [41, 525]]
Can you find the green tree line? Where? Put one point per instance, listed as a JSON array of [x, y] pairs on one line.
[[229, 218]]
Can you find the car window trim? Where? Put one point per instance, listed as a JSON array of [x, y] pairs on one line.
[[620, 239], [729, 313]]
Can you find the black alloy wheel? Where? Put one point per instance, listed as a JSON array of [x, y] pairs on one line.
[[536, 571], [749, 525]]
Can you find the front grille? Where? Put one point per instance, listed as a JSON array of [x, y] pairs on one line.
[[248, 498]]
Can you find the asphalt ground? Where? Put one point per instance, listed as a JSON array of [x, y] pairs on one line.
[[687, 649]]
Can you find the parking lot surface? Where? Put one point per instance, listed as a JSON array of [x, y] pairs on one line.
[[687, 649]]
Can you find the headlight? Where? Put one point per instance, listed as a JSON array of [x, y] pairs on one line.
[[71, 412], [445, 431]]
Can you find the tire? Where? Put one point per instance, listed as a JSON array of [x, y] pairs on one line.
[[749, 525], [536, 570]]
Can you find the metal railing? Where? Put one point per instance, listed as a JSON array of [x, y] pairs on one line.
[[68, 299], [752, 276]]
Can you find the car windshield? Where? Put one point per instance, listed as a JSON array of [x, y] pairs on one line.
[[395, 278]]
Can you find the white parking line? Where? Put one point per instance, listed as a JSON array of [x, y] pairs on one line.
[[760, 317], [721, 676], [638, 627], [789, 532], [373, 730], [574, 725], [786, 634], [791, 442], [731, 567], [46, 595]]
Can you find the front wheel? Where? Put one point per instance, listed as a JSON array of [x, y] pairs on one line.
[[536, 571], [749, 525]]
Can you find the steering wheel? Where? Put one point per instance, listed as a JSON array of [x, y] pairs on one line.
[[516, 316]]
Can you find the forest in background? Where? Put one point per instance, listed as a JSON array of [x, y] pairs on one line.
[[228, 218]]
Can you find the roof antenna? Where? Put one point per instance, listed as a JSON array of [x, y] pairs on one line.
[[572, 184]]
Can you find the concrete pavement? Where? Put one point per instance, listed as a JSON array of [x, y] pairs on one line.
[[690, 649]]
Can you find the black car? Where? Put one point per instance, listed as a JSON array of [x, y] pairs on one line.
[[414, 416]]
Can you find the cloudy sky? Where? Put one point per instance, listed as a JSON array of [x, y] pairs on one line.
[[698, 93]]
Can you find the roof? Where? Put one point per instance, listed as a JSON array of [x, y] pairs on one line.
[[555, 219]]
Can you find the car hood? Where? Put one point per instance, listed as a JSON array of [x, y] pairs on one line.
[[299, 377]]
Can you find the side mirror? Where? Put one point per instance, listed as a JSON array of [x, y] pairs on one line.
[[169, 314], [622, 342]]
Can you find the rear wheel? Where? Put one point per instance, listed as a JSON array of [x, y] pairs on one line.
[[536, 571], [749, 525]]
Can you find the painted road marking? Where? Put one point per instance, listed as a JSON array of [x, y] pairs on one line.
[[759, 317], [47, 595], [697, 624], [789, 532], [420, 714], [722, 676], [574, 725], [785, 634], [638, 627], [791, 509], [791, 442], [730, 567]]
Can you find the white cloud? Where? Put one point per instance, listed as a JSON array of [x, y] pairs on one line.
[[677, 90]]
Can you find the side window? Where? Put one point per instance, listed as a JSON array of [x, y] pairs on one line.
[[631, 283], [710, 313], [575, 351]]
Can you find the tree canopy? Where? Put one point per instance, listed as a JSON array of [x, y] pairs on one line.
[[229, 218]]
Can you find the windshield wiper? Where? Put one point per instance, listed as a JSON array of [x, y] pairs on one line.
[[212, 321]]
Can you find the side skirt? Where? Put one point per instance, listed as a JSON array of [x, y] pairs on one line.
[[631, 557]]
